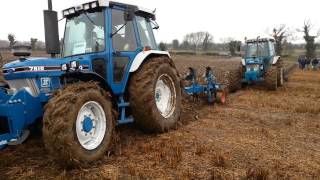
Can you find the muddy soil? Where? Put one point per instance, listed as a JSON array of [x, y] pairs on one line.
[[257, 134]]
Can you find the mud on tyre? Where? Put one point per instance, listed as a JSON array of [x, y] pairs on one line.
[[280, 73], [78, 124], [155, 95], [271, 78], [233, 78]]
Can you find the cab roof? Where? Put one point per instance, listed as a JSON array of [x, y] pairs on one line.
[[259, 40], [107, 3]]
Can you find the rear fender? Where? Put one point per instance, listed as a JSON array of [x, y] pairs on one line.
[[144, 55], [243, 62], [275, 59]]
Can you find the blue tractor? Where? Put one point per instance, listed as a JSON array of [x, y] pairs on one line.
[[261, 64], [109, 72]]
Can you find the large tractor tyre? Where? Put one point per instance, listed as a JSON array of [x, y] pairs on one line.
[[78, 124], [155, 96], [280, 76], [2, 147], [271, 78], [234, 80]]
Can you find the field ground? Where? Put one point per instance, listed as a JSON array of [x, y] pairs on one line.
[[257, 134]]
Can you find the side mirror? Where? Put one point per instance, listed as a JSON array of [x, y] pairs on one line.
[[51, 32]]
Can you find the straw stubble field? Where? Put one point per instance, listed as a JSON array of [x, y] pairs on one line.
[[258, 134]]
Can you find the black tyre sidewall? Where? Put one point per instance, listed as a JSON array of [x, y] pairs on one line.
[[61, 138], [142, 96], [91, 155], [166, 123]]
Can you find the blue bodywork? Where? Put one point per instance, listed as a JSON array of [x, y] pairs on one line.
[[210, 88], [255, 69], [22, 107], [255, 66]]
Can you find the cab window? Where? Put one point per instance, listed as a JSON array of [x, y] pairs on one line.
[[145, 32], [123, 32]]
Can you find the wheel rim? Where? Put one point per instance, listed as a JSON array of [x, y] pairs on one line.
[[222, 97], [165, 95], [91, 125]]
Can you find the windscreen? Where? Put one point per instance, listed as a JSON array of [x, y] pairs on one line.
[[257, 49], [84, 34]]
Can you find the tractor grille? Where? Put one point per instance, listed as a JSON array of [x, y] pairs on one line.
[[4, 125], [29, 84]]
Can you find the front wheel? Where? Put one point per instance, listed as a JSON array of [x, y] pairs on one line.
[[2, 147], [78, 124], [271, 78], [155, 95], [280, 77], [280, 73]]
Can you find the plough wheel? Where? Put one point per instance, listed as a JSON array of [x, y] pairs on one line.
[[221, 96]]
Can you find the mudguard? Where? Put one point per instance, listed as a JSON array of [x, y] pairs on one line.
[[275, 59], [243, 62], [139, 59]]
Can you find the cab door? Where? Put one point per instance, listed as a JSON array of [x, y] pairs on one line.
[[123, 49]]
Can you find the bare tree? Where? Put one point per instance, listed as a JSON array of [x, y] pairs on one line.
[[310, 40], [162, 46], [207, 41], [234, 46], [198, 38], [185, 45], [175, 44], [280, 34], [33, 42], [12, 40]]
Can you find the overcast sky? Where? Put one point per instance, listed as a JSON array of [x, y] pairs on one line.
[[222, 18]]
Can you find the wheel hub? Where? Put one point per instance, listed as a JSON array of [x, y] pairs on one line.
[[91, 125], [87, 124]]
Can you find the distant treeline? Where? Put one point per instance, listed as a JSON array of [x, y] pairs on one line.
[[12, 41]]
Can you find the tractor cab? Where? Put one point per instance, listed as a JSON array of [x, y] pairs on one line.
[[101, 38], [109, 71], [259, 57]]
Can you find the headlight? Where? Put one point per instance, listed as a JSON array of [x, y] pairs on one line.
[[254, 67], [94, 5], [66, 13], [65, 67], [86, 6], [72, 11], [74, 64]]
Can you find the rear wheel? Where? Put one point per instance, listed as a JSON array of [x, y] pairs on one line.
[[234, 80], [78, 124], [155, 95], [280, 74], [221, 96], [2, 147], [271, 78]]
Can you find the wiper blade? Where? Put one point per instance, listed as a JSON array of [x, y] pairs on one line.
[[118, 30], [92, 21]]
